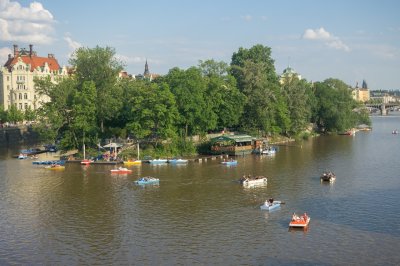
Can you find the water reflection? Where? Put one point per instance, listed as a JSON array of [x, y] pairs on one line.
[[200, 214]]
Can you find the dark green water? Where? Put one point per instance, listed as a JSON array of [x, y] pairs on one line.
[[200, 215]]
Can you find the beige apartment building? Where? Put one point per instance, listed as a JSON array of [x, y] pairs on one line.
[[17, 78]]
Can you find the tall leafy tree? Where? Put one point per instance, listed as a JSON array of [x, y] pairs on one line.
[[150, 110], [297, 95], [56, 115], [83, 125], [100, 66], [335, 106], [222, 93], [189, 88], [265, 109]]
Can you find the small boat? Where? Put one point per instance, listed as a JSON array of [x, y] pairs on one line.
[[133, 162], [121, 170], [178, 161], [55, 167], [271, 204], [328, 176], [250, 181], [230, 162], [299, 221], [147, 180], [351, 132], [22, 156], [268, 151], [86, 161], [158, 161]]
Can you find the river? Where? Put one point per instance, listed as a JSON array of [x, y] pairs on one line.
[[199, 214]]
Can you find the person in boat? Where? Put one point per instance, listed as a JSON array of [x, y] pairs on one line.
[[295, 217], [271, 200]]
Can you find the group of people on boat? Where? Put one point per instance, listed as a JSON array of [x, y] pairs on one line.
[[395, 131], [327, 175], [302, 218], [249, 177]]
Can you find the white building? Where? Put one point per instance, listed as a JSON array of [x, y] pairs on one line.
[[288, 75], [17, 78]]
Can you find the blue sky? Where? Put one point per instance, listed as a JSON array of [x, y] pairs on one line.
[[344, 39]]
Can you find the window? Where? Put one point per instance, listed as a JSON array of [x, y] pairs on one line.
[[20, 97], [26, 106], [26, 96], [8, 78], [20, 106]]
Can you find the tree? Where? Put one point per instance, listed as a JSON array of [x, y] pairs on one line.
[[29, 114], [265, 109], [14, 115], [226, 100], [256, 54], [150, 110], [100, 66], [335, 106], [189, 88], [84, 112], [297, 96]]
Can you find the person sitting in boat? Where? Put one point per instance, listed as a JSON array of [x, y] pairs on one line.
[[305, 216], [295, 217], [271, 200]]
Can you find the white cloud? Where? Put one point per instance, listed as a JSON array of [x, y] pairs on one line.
[[73, 45], [327, 38], [247, 17], [4, 52], [32, 24]]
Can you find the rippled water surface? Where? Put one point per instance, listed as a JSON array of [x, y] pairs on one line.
[[199, 214]]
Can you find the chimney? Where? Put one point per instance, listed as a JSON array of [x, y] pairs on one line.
[[51, 56], [16, 53], [9, 56], [30, 50]]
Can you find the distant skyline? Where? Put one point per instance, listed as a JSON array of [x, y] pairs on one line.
[[349, 40]]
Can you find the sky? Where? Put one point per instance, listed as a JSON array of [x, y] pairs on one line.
[[351, 40]]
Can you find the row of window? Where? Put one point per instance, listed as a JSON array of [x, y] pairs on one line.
[[19, 87], [20, 96]]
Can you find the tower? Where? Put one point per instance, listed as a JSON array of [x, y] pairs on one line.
[[146, 70]]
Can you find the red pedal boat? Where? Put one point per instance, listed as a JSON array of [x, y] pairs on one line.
[[299, 221]]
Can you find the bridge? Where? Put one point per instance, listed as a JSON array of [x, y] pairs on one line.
[[383, 107]]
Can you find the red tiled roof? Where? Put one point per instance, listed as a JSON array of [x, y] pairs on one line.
[[34, 61]]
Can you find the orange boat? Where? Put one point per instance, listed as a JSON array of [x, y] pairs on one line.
[[86, 161], [299, 221], [121, 170]]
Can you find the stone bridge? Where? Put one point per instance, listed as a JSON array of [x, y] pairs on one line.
[[383, 107]]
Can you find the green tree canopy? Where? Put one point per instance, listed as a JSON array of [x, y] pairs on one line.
[[100, 66]]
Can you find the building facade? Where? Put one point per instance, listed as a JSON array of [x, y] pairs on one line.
[[17, 78], [361, 94], [288, 75]]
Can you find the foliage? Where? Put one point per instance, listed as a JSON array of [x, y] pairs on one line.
[[29, 114], [14, 115], [297, 95], [189, 88], [150, 111], [100, 66], [335, 106]]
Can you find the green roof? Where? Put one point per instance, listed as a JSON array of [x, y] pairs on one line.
[[235, 138]]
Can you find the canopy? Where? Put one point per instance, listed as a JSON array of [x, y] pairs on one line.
[[112, 145]]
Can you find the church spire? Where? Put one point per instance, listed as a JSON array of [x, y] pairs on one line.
[[146, 70]]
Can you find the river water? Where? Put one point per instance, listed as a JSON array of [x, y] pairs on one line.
[[199, 214]]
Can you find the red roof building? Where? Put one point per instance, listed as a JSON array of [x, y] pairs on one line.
[[17, 78]]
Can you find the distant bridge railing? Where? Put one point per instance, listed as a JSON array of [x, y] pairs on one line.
[[383, 107]]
